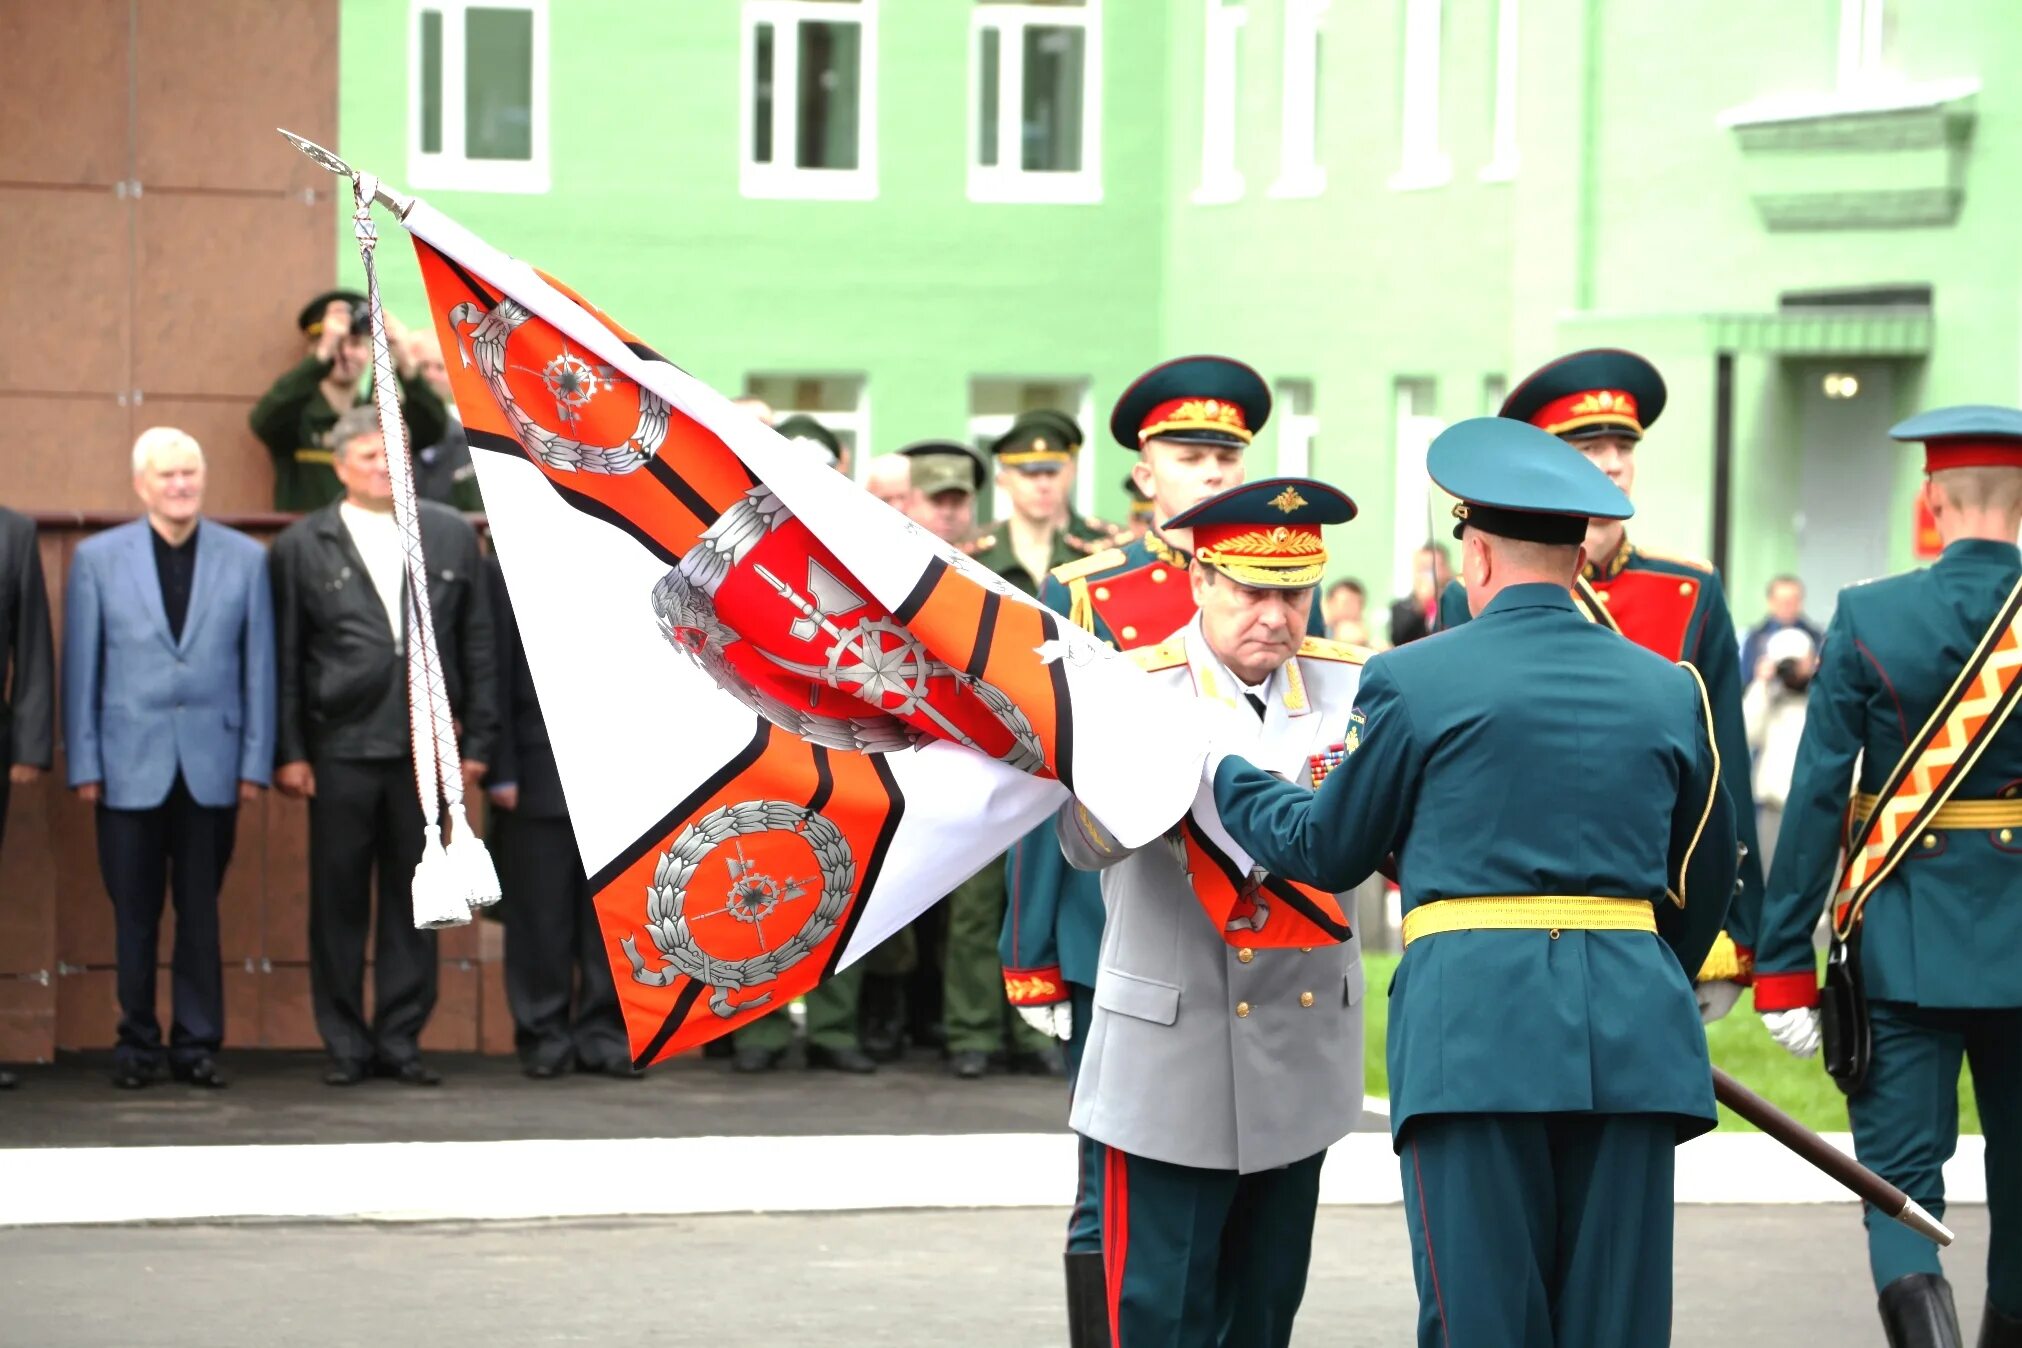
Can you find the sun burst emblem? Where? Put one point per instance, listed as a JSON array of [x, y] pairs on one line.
[[1288, 500], [573, 382]]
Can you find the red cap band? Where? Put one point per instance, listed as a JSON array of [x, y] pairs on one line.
[[1195, 414], [1593, 407], [1964, 451]]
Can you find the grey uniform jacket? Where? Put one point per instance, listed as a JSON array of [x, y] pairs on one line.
[[1202, 1053]]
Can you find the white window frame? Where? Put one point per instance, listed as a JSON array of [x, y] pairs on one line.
[[1502, 150], [1423, 163], [1221, 66], [986, 428], [451, 169], [1298, 427], [857, 421], [1007, 180], [1300, 172], [783, 178], [1863, 24], [1415, 425]]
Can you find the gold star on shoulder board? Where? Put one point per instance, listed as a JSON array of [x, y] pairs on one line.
[[1288, 500]]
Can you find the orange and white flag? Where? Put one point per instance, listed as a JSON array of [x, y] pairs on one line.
[[786, 718]]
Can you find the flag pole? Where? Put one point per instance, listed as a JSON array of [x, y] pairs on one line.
[[1864, 1183]]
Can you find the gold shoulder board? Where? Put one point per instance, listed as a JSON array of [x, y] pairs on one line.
[[1167, 654], [1069, 572], [1342, 652]]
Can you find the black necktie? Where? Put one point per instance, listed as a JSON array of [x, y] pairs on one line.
[[1257, 703]]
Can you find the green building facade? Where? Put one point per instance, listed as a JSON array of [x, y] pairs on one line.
[[915, 217]]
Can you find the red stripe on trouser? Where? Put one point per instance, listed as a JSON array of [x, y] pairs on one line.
[[1431, 1265], [1115, 1233]]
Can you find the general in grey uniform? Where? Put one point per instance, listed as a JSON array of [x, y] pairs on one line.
[[1218, 1070]]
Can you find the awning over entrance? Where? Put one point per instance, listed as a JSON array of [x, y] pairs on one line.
[[1892, 331]]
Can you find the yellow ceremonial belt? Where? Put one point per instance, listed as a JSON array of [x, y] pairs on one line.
[[314, 456], [1529, 912], [1972, 816]]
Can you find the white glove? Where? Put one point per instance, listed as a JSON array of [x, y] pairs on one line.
[[1055, 1021], [1716, 998], [1795, 1029]]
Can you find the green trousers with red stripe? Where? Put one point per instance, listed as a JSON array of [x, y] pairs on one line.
[[1084, 1219], [1195, 1258], [1540, 1230]]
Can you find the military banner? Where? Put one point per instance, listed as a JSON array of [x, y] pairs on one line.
[[786, 718]]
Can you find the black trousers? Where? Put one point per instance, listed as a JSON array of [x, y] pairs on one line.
[[178, 848], [555, 961], [365, 820]]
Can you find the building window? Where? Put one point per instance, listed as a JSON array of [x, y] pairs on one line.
[[840, 402], [810, 99], [994, 403], [1221, 180], [1299, 171], [1502, 153], [1035, 100], [1494, 389], [1424, 164], [1863, 43], [1416, 423], [1292, 414], [477, 95]]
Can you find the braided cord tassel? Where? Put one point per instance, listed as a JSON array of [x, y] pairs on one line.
[[449, 880]]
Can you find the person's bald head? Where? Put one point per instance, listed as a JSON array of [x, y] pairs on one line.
[[424, 353], [890, 478]]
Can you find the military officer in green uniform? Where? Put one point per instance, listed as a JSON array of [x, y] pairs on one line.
[[1601, 402], [1058, 427], [1566, 861], [834, 1039], [1938, 939], [295, 416]]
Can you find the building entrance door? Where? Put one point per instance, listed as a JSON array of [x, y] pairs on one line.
[[1848, 463]]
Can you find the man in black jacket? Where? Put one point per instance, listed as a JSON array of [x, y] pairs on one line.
[[554, 954], [27, 666], [342, 742]]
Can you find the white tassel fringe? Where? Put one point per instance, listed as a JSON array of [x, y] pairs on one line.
[[473, 867], [438, 888]]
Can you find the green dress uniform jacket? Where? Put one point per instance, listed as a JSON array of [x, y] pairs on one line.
[[1481, 760], [1945, 929], [294, 420], [1678, 608], [1941, 935]]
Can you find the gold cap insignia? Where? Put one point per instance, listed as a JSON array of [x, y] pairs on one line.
[[1288, 500]]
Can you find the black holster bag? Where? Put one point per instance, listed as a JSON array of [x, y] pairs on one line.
[[1847, 1034]]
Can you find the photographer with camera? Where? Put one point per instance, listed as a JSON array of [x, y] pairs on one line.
[[1773, 709]]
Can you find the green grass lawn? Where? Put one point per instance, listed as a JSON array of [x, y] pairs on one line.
[[1739, 1044]]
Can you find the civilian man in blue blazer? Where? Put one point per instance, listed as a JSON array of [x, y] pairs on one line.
[[168, 715]]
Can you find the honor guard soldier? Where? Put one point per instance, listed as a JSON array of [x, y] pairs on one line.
[[1220, 1068], [1601, 402], [1545, 1052], [1916, 678], [1189, 422]]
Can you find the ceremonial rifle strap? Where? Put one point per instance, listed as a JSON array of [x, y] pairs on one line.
[[1590, 604], [1938, 759]]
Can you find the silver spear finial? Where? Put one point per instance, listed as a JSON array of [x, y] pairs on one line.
[[399, 203]]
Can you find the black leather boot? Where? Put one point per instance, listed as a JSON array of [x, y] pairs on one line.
[[1998, 1330], [1087, 1301], [1917, 1312]]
